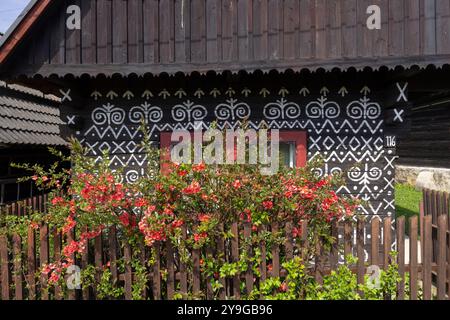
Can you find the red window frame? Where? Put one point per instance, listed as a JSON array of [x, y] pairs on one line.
[[292, 136]]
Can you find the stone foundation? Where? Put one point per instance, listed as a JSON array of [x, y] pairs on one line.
[[424, 178]]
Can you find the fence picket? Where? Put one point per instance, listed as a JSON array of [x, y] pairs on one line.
[[170, 270], [98, 258], [348, 230], [387, 242], [275, 253], [318, 268], [427, 248], [183, 268], [413, 254], [375, 245], [249, 272], [235, 258], [289, 243], [4, 266], [196, 271], [56, 257], [156, 279], [44, 258], [31, 260], [334, 254], [84, 265], [401, 256], [128, 277], [112, 242], [221, 252], [442, 258], [360, 250], [17, 258], [304, 244]]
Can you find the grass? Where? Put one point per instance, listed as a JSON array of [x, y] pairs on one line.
[[407, 200]]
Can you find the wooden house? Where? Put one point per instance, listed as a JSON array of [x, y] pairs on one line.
[[311, 68]]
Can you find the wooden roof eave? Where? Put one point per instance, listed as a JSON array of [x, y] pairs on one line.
[[140, 69], [21, 26]]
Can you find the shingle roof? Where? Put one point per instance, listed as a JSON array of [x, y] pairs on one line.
[[28, 117]]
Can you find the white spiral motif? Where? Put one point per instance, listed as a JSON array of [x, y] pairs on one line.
[[363, 109], [108, 114], [189, 111], [282, 110], [132, 176], [145, 112], [232, 110], [323, 109]]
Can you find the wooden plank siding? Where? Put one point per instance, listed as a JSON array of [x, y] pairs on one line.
[[184, 35]]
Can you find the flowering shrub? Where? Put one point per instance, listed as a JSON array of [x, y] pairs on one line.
[[191, 206]]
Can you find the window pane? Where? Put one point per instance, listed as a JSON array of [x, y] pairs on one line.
[[287, 154]]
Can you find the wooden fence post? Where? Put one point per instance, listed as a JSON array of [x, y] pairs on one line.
[[401, 257], [17, 256], [249, 272], [442, 256], [4, 266], [128, 271], [428, 250], [235, 258], [387, 242], [57, 239], [360, 250], [413, 255], [31, 259], [170, 270], [183, 268], [44, 259], [375, 244]]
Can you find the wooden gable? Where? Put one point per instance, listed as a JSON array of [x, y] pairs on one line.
[[154, 36]]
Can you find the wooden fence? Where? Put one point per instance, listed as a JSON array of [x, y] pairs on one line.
[[371, 240]]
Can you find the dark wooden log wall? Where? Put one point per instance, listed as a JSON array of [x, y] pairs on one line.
[[428, 141], [344, 123], [201, 35]]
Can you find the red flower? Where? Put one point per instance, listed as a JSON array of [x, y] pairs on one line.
[[182, 173], [204, 218], [34, 178], [200, 236], [70, 224], [296, 232], [193, 188], [177, 223], [284, 287], [199, 168], [57, 200], [237, 184], [127, 220], [246, 215], [140, 203], [267, 205]]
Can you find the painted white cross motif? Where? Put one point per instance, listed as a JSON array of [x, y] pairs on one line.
[[401, 90], [398, 115], [71, 120], [66, 95]]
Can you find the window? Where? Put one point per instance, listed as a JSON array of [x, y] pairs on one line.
[[292, 147]]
